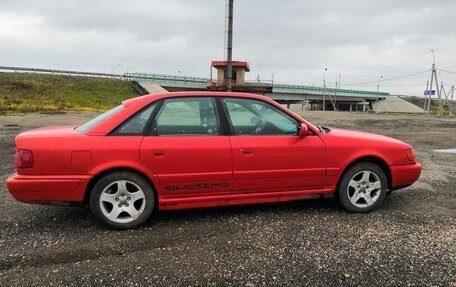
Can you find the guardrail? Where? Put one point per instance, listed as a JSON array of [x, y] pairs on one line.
[[203, 82], [60, 72], [330, 91], [162, 78]]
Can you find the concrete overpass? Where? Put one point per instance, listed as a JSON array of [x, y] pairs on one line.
[[310, 97]]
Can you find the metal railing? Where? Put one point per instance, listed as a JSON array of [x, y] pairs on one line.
[[331, 91], [60, 72], [203, 82], [162, 78]]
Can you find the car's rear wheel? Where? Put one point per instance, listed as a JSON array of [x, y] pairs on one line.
[[362, 188], [122, 200]]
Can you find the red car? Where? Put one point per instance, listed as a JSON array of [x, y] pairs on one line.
[[202, 149]]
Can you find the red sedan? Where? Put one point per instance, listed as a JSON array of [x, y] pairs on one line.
[[203, 149]]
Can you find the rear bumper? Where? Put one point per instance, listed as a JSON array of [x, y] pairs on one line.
[[47, 189], [405, 175]]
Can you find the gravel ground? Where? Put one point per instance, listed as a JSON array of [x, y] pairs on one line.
[[409, 241]]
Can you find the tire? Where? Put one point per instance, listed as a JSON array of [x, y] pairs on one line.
[[122, 200], [362, 188]]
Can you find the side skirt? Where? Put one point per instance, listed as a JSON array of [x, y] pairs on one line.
[[242, 199]]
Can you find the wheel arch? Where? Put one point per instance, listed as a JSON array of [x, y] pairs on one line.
[[102, 173], [371, 159]]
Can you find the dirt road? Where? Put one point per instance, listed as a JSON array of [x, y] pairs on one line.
[[411, 240]]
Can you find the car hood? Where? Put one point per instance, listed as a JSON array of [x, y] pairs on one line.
[[364, 136]]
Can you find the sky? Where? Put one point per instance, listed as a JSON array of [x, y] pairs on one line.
[[361, 40]]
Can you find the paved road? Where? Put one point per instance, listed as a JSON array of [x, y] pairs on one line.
[[410, 241]]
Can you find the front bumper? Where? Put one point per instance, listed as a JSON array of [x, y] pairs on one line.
[[405, 175], [47, 189]]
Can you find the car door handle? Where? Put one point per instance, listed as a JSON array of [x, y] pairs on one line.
[[159, 153], [247, 151]]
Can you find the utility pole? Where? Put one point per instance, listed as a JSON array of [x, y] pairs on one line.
[[258, 75], [426, 94], [442, 90], [448, 101], [428, 109], [210, 73], [451, 106], [439, 95], [335, 91], [340, 75], [378, 90], [229, 44], [324, 90]]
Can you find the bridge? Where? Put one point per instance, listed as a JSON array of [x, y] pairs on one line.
[[342, 99]]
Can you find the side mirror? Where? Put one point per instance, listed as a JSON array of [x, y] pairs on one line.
[[303, 130]]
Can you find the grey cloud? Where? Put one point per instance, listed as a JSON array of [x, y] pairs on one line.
[[293, 39]]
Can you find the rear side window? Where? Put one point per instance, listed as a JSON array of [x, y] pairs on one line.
[[187, 116], [92, 123], [136, 124]]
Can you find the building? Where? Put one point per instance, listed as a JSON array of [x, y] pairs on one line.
[[238, 68]]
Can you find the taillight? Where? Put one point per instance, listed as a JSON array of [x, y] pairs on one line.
[[410, 154], [23, 158]]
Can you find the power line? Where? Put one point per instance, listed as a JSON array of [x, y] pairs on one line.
[[389, 79], [446, 71]]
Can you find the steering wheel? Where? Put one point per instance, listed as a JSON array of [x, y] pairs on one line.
[[259, 126]]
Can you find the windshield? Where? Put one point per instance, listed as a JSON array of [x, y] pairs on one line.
[[92, 123]]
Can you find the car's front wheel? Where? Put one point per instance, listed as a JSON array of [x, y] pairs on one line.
[[362, 188], [122, 200]]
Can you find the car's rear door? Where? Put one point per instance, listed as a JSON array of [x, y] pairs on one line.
[[268, 153], [187, 150]]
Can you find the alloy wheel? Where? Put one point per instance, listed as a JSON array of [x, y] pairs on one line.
[[364, 188], [122, 201]]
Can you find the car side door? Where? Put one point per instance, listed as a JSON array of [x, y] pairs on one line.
[[187, 149], [268, 153]]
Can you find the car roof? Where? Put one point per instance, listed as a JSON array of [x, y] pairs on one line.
[[153, 97], [135, 104]]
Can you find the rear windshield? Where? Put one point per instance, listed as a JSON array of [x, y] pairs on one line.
[[92, 123]]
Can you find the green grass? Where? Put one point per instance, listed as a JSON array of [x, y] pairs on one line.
[[37, 92], [434, 105]]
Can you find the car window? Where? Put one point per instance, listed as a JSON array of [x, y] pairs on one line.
[[252, 117], [137, 123], [92, 123], [190, 116]]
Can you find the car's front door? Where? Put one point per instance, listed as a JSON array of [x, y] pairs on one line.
[[187, 151], [268, 153]]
